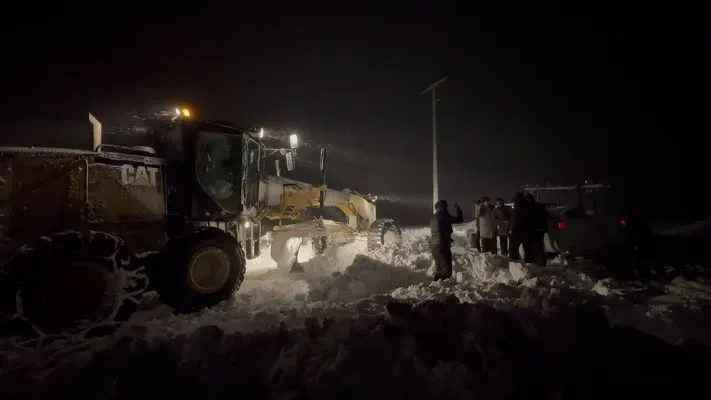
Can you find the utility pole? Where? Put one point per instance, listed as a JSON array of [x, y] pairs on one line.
[[435, 182]]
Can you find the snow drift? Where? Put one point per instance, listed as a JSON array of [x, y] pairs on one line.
[[357, 324], [435, 349]]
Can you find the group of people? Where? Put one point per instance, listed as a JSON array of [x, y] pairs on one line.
[[523, 225]]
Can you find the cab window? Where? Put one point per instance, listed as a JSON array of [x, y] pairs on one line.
[[217, 168]]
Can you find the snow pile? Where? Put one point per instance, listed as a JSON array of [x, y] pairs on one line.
[[365, 277], [349, 274], [374, 324], [486, 277], [405, 271], [267, 298], [432, 350], [348, 280]]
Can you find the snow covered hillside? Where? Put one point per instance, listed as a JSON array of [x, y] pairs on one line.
[[376, 325]]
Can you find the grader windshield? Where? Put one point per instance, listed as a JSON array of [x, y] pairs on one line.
[[227, 167], [218, 167]]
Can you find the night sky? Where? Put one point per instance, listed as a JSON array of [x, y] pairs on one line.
[[534, 94]]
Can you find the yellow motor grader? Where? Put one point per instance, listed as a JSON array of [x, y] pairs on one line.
[[83, 233]]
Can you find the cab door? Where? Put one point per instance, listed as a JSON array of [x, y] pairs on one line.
[[251, 167], [218, 174]]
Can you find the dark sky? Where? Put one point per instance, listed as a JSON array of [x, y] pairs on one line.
[[556, 93]]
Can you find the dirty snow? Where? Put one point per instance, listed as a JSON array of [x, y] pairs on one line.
[[353, 311]]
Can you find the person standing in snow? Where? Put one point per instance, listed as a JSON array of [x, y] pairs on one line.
[[520, 229], [502, 217], [441, 238], [486, 226], [539, 220], [476, 240]]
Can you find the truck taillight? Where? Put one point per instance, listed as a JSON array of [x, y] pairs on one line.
[[561, 225]]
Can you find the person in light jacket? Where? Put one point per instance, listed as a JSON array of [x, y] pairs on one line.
[[476, 240], [486, 226], [502, 217]]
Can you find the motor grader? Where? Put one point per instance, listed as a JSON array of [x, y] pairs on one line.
[[83, 233]]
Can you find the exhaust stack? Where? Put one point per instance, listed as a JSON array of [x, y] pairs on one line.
[[322, 198], [96, 132]]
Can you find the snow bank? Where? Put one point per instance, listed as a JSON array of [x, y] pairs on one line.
[[432, 350], [348, 280], [347, 326]]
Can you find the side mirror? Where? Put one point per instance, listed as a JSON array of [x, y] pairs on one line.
[[289, 161], [278, 167]]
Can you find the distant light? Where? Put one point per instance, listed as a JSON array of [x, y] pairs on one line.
[[261, 133], [246, 224], [623, 222], [185, 112], [177, 111], [561, 225], [294, 140]]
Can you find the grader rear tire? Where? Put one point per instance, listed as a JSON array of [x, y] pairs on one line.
[[199, 270], [66, 279]]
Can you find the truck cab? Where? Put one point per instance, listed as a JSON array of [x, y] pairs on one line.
[[583, 220]]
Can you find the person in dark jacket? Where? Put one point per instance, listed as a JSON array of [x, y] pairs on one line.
[[539, 221], [502, 217], [638, 249], [441, 238], [520, 229]]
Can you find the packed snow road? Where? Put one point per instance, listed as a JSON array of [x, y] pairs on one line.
[[347, 326]]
